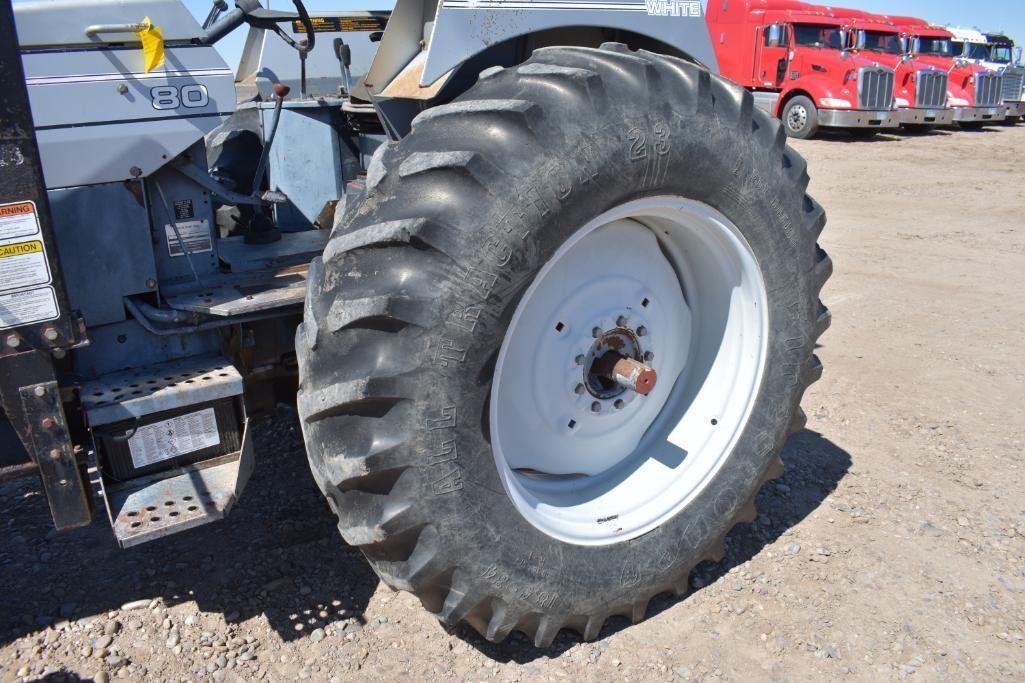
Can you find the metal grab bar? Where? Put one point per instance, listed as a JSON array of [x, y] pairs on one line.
[[114, 28]]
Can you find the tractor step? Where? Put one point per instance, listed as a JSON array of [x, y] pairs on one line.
[[145, 510], [172, 445]]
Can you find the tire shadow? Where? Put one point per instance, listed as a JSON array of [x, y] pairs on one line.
[[814, 466], [278, 554]]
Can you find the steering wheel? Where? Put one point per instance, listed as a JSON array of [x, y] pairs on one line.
[[253, 13], [271, 19]]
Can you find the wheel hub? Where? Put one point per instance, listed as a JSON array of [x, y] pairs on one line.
[[798, 117], [614, 364]]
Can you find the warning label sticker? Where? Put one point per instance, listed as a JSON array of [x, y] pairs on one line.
[[342, 24], [173, 437], [195, 235], [18, 220], [25, 294], [31, 305]]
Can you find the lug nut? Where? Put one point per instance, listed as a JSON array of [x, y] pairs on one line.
[[641, 331], [596, 407], [580, 359], [619, 404], [580, 389], [596, 332], [649, 356], [621, 321]]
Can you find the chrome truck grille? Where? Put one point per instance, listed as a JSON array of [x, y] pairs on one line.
[[1011, 85], [875, 88], [932, 89], [987, 89]]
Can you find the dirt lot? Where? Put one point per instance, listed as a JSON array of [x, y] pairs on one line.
[[893, 547]]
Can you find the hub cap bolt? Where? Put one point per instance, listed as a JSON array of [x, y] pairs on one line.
[[596, 407], [580, 359], [596, 332], [641, 331], [621, 321], [649, 356], [580, 389]]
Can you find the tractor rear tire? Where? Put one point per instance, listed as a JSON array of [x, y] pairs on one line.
[[405, 350]]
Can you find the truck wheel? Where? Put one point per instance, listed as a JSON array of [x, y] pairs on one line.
[[800, 118], [585, 206]]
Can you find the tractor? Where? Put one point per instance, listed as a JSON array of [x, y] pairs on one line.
[[543, 286]]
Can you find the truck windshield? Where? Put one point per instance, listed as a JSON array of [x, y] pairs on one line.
[[1000, 53], [878, 41], [977, 51], [938, 47], [815, 35]]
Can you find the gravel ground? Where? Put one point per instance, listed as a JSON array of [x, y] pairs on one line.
[[893, 546]]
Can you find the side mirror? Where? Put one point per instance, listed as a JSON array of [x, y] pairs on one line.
[[859, 41], [774, 36]]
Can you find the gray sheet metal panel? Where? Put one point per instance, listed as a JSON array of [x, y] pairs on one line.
[[62, 22], [104, 243], [464, 28], [308, 161], [401, 42], [91, 132], [268, 59], [127, 345], [189, 203]]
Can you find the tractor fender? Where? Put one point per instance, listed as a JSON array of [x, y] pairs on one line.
[[426, 40]]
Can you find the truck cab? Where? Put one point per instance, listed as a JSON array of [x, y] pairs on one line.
[[794, 57], [920, 88], [1002, 60], [972, 90]]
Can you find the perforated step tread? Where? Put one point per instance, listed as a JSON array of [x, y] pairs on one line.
[[135, 393]]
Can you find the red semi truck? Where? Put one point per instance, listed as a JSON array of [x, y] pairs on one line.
[[793, 57], [920, 88], [972, 91]]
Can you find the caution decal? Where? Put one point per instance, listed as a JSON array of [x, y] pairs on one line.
[[33, 247], [26, 296]]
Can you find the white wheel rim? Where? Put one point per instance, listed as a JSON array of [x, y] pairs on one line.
[[596, 478]]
